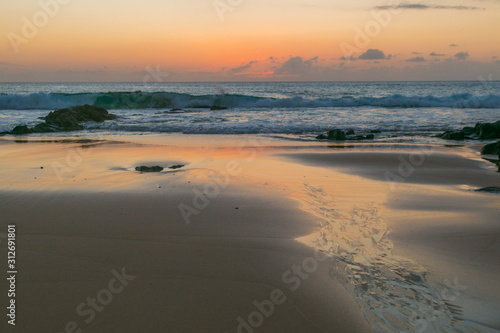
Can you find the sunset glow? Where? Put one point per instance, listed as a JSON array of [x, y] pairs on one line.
[[207, 40]]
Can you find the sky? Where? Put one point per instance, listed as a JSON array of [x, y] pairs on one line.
[[248, 40]]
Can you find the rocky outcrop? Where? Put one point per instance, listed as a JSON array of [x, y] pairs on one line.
[[336, 134], [341, 135], [149, 169], [20, 130], [491, 149], [175, 167], [64, 120], [482, 131]]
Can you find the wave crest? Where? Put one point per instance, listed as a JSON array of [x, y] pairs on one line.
[[143, 100]]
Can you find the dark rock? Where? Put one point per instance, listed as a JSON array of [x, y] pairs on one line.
[[451, 135], [174, 167], [375, 131], [370, 137], [321, 137], [20, 130], [488, 130], [490, 189], [66, 120], [350, 132], [336, 134], [149, 169], [482, 131], [44, 128], [469, 130], [491, 149], [70, 119], [217, 107]]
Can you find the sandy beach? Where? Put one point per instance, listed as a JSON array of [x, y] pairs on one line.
[[252, 234]]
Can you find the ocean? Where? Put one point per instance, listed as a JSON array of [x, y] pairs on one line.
[[402, 111]]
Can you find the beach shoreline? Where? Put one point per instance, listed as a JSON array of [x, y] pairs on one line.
[[245, 218]]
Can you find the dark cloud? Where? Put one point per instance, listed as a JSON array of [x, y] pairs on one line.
[[374, 54], [295, 66], [416, 59], [434, 54], [462, 55], [419, 6], [351, 58], [417, 53], [242, 68], [453, 45]]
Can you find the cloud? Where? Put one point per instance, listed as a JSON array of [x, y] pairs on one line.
[[462, 55], [351, 58], [416, 59], [419, 6], [242, 68], [453, 45], [374, 54], [434, 54], [418, 53], [295, 66]]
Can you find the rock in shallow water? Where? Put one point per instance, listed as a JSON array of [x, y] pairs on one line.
[[64, 120], [491, 149], [149, 169], [20, 130], [336, 134], [490, 189], [174, 167], [482, 131]]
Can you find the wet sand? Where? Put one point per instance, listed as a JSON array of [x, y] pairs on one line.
[[257, 219]]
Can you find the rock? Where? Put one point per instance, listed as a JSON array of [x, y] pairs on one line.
[[469, 130], [174, 167], [66, 120], [149, 169], [451, 135], [350, 132], [321, 137], [217, 107], [488, 130], [491, 149], [490, 189], [44, 128], [336, 134], [370, 137], [20, 130], [482, 131], [375, 131], [70, 119]]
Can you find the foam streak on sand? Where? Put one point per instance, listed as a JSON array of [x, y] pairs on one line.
[[392, 291]]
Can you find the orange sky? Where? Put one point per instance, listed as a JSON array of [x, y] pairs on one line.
[[217, 39]]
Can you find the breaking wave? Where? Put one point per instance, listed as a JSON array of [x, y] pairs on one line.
[[143, 100]]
